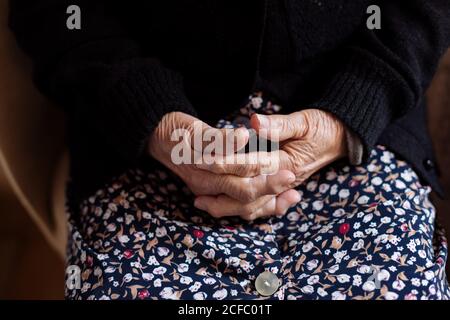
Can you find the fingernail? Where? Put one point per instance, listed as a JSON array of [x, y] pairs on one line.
[[242, 131], [290, 207], [291, 179], [284, 212], [263, 121], [286, 206], [294, 203], [199, 204]]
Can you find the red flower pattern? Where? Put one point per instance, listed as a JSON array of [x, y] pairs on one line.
[[344, 228], [198, 234]]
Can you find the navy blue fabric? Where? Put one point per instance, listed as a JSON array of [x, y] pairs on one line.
[[359, 232]]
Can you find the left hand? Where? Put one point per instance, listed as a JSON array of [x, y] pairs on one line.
[[309, 140]]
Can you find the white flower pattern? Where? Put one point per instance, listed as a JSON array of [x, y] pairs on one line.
[[361, 232]]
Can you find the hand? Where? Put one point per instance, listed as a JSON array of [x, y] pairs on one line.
[[309, 140], [248, 197]]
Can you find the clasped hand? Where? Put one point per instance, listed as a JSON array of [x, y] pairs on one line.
[[265, 186]]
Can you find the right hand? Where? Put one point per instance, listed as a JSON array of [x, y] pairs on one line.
[[223, 194]]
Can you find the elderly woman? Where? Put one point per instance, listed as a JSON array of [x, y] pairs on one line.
[[345, 215]]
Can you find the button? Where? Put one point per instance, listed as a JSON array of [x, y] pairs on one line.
[[429, 164], [267, 283]]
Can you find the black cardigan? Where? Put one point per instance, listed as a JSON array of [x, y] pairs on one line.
[[134, 61]]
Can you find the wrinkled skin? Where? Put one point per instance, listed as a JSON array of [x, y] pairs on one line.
[[309, 140], [248, 197]]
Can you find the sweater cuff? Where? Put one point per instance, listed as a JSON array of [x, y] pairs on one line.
[[361, 94], [136, 101]]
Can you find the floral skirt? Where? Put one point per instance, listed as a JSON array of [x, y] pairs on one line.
[[359, 232]]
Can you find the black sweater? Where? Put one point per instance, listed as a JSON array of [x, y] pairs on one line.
[[134, 61]]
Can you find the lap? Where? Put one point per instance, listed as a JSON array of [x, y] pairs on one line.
[[359, 232]]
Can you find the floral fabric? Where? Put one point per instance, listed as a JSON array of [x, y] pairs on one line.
[[359, 232]]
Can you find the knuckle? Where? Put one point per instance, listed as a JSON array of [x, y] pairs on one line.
[[300, 176], [295, 164], [215, 212], [248, 217], [246, 211], [256, 212], [218, 168], [255, 215], [222, 183], [190, 132], [194, 188], [249, 194], [249, 210], [288, 125], [276, 189], [246, 170]]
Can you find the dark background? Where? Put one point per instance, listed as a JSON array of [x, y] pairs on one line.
[[30, 269]]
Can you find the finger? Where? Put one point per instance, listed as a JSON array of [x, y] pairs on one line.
[[304, 167], [208, 140], [280, 127], [249, 189], [244, 164], [222, 205], [278, 205], [240, 188], [286, 200]]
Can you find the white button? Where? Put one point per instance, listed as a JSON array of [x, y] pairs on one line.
[[267, 283]]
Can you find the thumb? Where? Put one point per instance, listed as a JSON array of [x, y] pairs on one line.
[[281, 127]]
